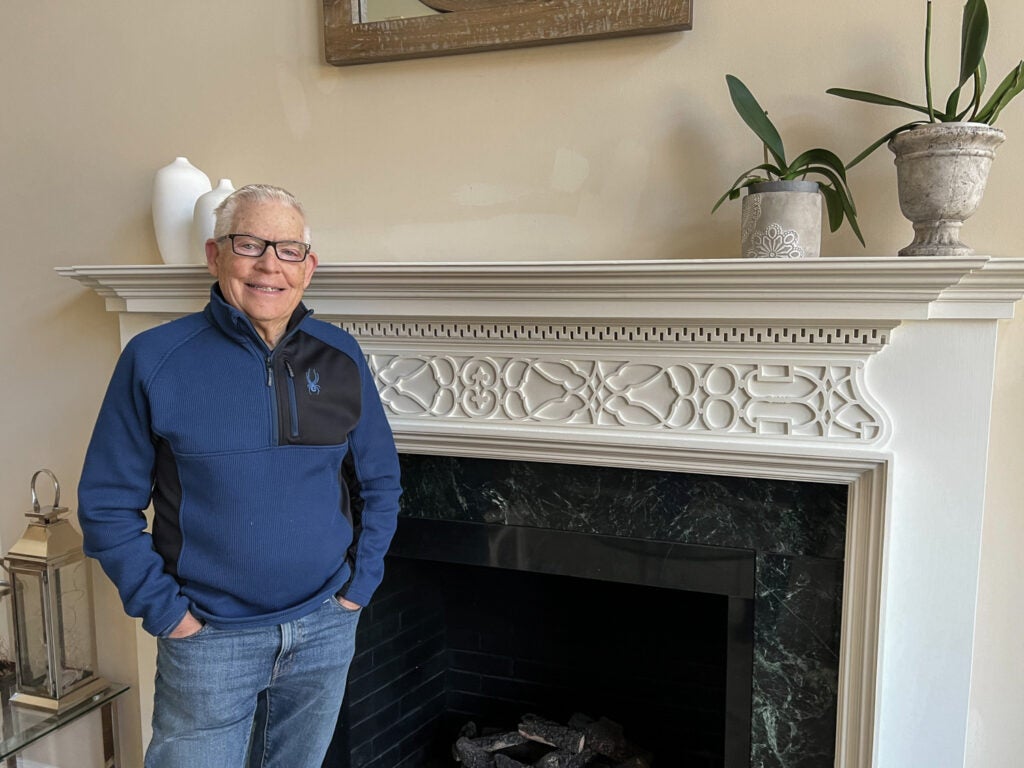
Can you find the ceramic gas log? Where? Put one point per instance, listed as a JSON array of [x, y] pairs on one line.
[[542, 743]]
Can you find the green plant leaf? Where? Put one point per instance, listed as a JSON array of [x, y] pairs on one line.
[[928, 63], [735, 191], [974, 31], [834, 206], [875, 145], [851, 217], [747, 178], [821, 156], [978, 81], [1010, 86], [949, 115], [973, 37], [756, 118], [851, 213], [874, 98], [831, 178], [839, 204]]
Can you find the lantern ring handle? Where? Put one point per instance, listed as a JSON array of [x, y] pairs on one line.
[[56, 489]]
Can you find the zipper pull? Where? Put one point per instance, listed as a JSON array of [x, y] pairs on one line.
[[288, 367], [270, 371]]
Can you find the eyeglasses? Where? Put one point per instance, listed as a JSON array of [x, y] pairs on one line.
[[254, 247]]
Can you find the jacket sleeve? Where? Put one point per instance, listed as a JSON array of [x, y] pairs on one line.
[[375, 461], [113, 493]]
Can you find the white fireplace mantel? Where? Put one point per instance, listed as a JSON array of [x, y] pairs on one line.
[[723, 289], [876, 373]]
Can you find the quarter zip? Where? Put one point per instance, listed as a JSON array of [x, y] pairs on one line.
[[274, 438], [275, 407], [293, 405]]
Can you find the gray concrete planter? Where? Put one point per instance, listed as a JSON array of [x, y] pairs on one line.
[[781, 220], [941, 171]]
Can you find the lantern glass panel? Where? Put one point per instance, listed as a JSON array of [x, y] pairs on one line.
[[74, 633], [33, 665]]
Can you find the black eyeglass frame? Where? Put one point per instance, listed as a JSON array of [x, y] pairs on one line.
[[266, 244]]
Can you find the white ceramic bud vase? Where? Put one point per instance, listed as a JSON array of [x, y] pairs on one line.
[[203, 218], [176, 188], [781, 220]]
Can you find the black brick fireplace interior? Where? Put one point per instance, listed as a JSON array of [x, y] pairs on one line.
[[702, 613]]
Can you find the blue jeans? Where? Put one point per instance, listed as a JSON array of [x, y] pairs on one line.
[[265, 697]]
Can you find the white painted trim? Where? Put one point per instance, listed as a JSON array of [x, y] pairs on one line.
[[814, 289], [891, 321], [862, 578]]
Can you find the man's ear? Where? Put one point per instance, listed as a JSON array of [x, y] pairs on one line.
[[212, 251], [314, 261]]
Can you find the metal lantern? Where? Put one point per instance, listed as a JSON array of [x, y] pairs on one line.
[[54, 639]]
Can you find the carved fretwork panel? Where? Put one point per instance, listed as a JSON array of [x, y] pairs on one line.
[[824, 400]]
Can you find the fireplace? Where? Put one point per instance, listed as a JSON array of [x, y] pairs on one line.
[[871, 374], [495, 645], [730, 595]]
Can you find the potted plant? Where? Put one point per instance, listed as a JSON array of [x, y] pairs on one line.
[[781, 215], [943, 161]]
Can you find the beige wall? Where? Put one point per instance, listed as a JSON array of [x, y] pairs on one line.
[[600, 150]]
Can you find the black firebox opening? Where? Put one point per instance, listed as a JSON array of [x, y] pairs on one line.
[[488, 623]]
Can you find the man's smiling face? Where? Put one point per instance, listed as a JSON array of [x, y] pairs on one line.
[[266, 289]]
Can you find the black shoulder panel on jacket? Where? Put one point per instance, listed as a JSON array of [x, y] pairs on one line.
[[320, 392]]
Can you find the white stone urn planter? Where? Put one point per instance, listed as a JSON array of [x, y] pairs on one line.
[[781, 220], [941, 171]]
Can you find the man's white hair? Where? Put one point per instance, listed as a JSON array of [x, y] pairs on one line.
[[224, 214]]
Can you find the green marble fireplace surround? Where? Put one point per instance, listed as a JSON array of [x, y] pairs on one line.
[[795, 530]]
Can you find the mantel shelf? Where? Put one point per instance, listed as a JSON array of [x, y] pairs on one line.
[[819, 290]]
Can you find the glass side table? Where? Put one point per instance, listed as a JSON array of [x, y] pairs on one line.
[[22, 726]]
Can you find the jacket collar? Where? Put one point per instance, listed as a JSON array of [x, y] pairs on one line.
[[235, 324]]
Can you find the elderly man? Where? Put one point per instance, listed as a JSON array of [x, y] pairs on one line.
[[258, 435]]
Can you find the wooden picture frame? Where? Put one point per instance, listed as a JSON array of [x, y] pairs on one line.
[[518, 23]]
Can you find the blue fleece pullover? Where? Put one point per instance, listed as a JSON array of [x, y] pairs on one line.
[[272, 473]]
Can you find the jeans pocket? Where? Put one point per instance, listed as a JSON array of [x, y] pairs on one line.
[[335, 599], [194, 636]]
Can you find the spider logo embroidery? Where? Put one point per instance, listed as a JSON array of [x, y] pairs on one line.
[[313, 381]]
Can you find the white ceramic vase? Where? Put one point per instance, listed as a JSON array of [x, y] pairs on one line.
[[781, 220], [176, 187], [203, 219]]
